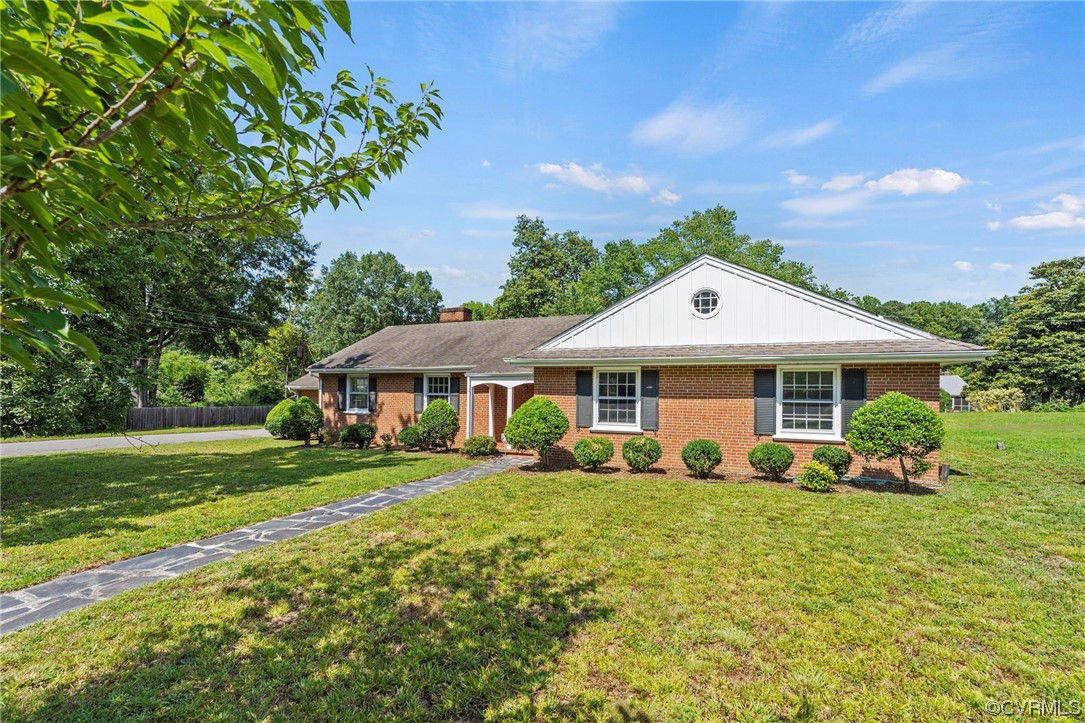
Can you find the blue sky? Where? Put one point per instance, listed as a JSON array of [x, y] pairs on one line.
[[909, 151]]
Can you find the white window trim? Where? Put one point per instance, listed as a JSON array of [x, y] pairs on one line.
[[808, 435], [693, 309], [596, 426], [425, 388], [350, 386]]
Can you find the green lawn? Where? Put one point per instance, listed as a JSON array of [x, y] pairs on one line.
[[572, 596], [171, 430], [67, 512]]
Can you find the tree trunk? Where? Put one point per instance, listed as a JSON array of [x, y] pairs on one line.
[[904, 474]]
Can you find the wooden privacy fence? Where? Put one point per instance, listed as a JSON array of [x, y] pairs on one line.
[[143, 419]]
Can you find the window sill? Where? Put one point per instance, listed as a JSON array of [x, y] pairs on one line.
[[618, 430], [824, 439], [356, 411]]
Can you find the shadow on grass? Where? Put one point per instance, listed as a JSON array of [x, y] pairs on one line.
[[404, 629], [51, 498]]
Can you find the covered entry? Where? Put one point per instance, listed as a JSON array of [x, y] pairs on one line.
[[491, 400]]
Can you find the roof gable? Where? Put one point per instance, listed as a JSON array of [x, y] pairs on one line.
[[754, 309]]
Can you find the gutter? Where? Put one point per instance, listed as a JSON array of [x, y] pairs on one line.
[[387, 370], [942, 357]]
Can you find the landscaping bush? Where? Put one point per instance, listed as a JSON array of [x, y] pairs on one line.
[[1010, 399], [388, 440], [537, 425], [302, 420], [359, 434], [409, 437], [591, 452], [945, 401], [273, 423], [896, 426], [480, 445], [771, 459], [837, 459], [640, 453], [439, 423], [816, 477], [701, 457]]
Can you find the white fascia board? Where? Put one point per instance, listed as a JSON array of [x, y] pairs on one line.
[[390, 370], [944, 358]]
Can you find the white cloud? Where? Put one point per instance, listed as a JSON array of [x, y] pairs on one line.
[[594, 178], [486, 164], [843, 183], [930, 65], [797, 179], [880, 26], [999, 266], [666, 198], [994, 225], [1062, 212], [549, 36], [696, 130], [963, 265], [800, 136], [826, 205], [910, 181], [993, 206]]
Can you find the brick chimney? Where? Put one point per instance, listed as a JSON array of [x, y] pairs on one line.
[[455, 313]]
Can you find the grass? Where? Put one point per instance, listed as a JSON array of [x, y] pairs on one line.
[[561, 596], [171, 430], [72, 511]]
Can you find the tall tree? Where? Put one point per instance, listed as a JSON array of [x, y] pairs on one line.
[[168, 116], [281, 357], [542, 266], [356, 296], [1041, 346]]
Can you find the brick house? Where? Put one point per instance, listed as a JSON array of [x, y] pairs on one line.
[[307, 386], [712, 350]]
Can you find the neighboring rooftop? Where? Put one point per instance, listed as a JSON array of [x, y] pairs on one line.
[[952, 384], [307, 381], [480, 347]]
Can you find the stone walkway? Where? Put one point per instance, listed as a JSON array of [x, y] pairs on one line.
[[70, 592], [120, 441]]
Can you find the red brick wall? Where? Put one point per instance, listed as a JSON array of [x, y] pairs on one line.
[[309, 394], [716, 402]]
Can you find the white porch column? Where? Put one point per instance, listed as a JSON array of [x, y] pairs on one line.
[[490, 407], [508, 411], [470, 409]]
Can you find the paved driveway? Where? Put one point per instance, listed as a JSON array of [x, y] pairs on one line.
[[118, 441]]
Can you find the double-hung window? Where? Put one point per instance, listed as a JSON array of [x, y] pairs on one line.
[[357, 394], [808, 401], [438, 387], [617, 398]]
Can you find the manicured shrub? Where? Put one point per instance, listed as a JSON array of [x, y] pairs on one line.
[[388, 441], [771, 459], [591, 452], [480, 445], [302, 420], [640, 453], [359, 434], [837, 459], [439, 423], [701, 457], [896, 426], [273, 423], [1010, 399], [816, 477], [537, 425], [409, 437]]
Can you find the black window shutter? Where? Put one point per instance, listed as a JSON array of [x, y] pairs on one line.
[[852, 394], [373, 394], [454, 393], [342, 393], [764, 401], [649, 400], [419, 394], [583, 398]]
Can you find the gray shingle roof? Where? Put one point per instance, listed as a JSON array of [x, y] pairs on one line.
[[952, 384], [920, 348], [307, 381], [478, 346]]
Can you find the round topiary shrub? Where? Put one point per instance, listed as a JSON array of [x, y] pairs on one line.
[[591, 452], [896, 426], [439, 423], [816, 477], [640, 453], [537, 425], [771, 459], [480, 445], [274, 421], [701, 457], [837, 459], [302, 420], [359, 434], [409, 437]]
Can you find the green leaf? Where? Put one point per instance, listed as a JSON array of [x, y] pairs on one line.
[[340, 12]]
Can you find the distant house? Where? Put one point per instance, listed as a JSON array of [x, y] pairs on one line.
[[954, 386], [305, 386], [712, 350]]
